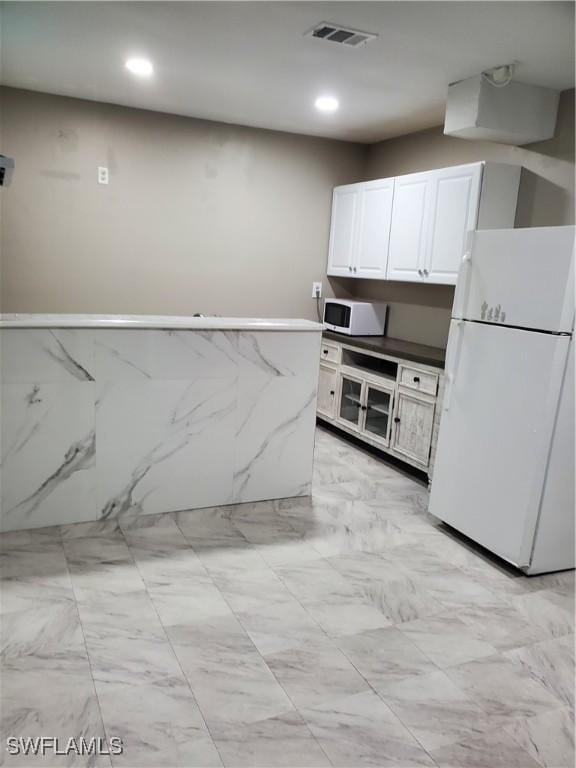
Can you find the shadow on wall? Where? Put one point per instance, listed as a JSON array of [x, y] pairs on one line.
[[541, 203]]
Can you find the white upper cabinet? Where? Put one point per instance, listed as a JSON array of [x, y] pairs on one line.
[[360, 230], [343, 230], [414, 228], [454, 212], [374, 219], [410, 225]]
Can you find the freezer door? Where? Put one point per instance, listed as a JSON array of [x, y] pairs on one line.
[[522, 278], [498, 413]]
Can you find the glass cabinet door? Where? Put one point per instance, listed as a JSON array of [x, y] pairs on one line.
[[350, 401], [378, 410]]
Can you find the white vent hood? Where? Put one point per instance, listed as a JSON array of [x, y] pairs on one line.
[[514, 114]]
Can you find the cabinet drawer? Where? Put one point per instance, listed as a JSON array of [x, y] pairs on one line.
[[330, 353], [421, 381]]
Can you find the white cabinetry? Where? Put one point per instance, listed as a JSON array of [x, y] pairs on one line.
[[343, 230], [327, 385], [360, 229], [414, 228], [410, 225], [384, 401], [453, 213], [375, 216], [413, 424]]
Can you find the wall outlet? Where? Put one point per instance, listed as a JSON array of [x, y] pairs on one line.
[[102, 174], [316, 290]]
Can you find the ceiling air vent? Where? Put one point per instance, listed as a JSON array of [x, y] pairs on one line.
[[337, 34]]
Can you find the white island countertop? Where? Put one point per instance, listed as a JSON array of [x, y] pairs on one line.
[[157, 321]]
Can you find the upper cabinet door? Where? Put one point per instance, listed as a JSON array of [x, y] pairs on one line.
[[343, 230], [454, 212], [374, 219], [409, 230]]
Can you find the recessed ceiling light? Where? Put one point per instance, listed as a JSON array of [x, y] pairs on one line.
[[141, 67], [327, 104]]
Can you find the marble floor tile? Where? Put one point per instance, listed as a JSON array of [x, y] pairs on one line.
[[385, 656], [188, 601], [122, 610], [562, 582], [361, 730], [44, 564], [436, 711], [311, 676], [160, 725], [275, 627], [37, 539], [503, 688], [246, 590], [286, 553], [100, 528], [346, 614], [229, 558], [503, 625], [209, 527], [43, 627], [547, 611], [344, 627], [101, 565], [120, 655], [548, 738], [447, 640], [166, 565], [278, 741], [551, 663], [55, 697], [494, 750], [335, 603], [23, 593], [260, 524], [229, 678]]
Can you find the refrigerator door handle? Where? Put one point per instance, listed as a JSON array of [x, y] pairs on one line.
[[451, 374], [463, 281]]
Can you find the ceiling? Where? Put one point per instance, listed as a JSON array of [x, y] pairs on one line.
[[249, 63]]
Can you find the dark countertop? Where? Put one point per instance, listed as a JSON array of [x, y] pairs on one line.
[[406, 350]]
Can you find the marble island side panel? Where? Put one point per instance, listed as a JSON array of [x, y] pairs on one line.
[[100, 423]]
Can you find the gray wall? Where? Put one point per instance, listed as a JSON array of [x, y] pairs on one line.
[[216, 218], [198, 216], [546, 198]]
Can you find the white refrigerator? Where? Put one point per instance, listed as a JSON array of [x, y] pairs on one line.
[[504, 469]]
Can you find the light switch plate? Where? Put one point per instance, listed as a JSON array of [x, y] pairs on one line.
[[102, 174]]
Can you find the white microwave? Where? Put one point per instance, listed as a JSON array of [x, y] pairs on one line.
[[355, 318]]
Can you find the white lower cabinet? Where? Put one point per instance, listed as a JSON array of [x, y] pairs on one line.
[[327, 388], [350, 407], [413, 425], [366, 407], [378, 413], [394, 410]]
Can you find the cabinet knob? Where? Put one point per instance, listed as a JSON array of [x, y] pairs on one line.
[[349, 269], [354, 269], [324, 351], [362, 407], [396, 419], [420, 273], [332, 392], [417, 379], [425, 272]]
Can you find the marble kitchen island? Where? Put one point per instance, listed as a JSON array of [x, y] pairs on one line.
[[105, 416]]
